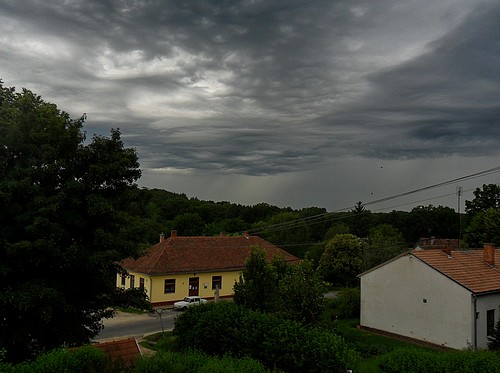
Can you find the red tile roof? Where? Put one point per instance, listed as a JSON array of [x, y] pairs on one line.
[[467, 268], [202, 254], [125, 350]]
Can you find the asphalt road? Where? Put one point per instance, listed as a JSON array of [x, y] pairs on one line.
[[125, 325]]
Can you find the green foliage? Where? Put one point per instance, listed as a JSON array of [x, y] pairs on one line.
[[226, 328], [257, 287], [484, 228], [360, 220], [188, 224], [293, 231], [301, 290], [63, 225], [340, 228], [384, 243], [293, 292], [342, 260], [347, 304], [485, 199], [196, 362], [84, 359], [440, 362]]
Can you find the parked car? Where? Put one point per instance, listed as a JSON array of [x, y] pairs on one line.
[[188, 302]]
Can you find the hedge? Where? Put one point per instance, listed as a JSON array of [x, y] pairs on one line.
[[226, 328]]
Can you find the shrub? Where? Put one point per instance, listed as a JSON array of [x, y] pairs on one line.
[[84, 359], [348, 303], [196, 362], [224, 327]]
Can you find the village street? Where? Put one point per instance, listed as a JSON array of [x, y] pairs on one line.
[[125, 325]]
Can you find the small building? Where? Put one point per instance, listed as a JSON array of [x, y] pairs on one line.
[[441, 296], [179, 266], [124, 351]]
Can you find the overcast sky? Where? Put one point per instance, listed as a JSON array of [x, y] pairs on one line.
[[293, 103]]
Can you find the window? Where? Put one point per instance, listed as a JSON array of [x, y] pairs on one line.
[[169, 285], [216, 282], [141, 283], [132, 281], [123, 280], [490, 322]]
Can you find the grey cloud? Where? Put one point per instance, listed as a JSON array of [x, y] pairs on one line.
[[302, 83]]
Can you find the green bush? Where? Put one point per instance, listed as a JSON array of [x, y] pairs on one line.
[[226, 328], [84, 359], [442, 362], [347, 304], [196, 362]]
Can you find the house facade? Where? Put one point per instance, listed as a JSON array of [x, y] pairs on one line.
[[441, 296], [179, 266]]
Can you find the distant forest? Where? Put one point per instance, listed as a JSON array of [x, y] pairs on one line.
[[158, 211]]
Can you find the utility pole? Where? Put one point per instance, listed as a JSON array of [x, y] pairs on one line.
[[459, 193]]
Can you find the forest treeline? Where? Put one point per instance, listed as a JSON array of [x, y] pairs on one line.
[[297, 231]]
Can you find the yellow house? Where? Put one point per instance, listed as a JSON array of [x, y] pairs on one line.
[[179, 266]]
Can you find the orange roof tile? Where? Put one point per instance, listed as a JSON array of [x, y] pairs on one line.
[[202, 254], [467, 268], [126, 350]]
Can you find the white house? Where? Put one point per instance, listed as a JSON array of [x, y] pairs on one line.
[[445, 297]]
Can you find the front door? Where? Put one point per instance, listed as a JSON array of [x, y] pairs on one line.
[[194, 283]]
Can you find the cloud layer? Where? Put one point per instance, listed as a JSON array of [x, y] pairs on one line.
[[262, 94]]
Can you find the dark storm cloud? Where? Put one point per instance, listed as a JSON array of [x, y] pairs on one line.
[[445, 101], [266, 87]]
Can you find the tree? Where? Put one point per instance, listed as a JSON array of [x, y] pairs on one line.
[[286, 229], [294, 292], [342, 259], [188, 224], [384, 242], [62, 225], [360, 221], [301, 290], [257, 286], [484, 228], [488, 197]]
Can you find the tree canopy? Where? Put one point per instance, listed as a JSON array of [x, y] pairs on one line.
[[342, 260], [294, 292], [62, 224], [484, 199]]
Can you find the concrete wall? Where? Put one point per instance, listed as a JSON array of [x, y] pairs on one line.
[[409, 298]]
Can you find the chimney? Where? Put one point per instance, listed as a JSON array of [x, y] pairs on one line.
[[162, 237], [489, 254], [447, 248], [173, 233], [221, 234], [246, 235]]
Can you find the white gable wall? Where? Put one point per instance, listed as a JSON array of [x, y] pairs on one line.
[[409, 298]]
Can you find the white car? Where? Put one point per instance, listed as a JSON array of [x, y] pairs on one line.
[[188, 302]]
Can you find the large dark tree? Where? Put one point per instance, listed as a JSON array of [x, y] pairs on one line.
[[62, 225], [484, 199]]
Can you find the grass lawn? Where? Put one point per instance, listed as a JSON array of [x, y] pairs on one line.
[[369, 345], [159, 341]]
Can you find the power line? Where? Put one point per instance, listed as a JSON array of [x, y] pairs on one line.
[[319, 218]]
